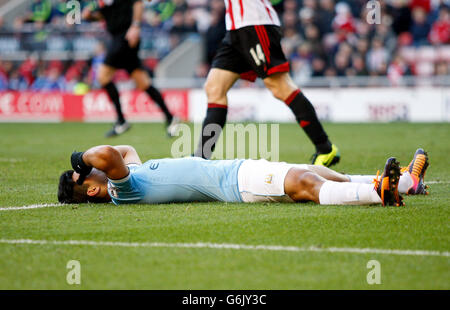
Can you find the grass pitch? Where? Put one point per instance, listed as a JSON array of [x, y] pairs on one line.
[[32, 156]]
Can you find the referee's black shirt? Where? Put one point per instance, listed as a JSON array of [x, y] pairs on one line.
[[118, 14]]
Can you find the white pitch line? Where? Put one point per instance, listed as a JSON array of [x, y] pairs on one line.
[[45, 205], [437, 182], [208, 245], [11, 160]]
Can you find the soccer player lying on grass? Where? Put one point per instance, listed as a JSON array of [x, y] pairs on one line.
[[105, 173]]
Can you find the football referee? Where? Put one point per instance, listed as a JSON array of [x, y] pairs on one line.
[[123, 21]]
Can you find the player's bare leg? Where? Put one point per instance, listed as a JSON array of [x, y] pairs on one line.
[[281, 85], [284, 89], [105, 74], [105, 77], [144, 82], [303, 185], [329, 174], [306, 185], [404, 184], [141, 79], [217, 85]]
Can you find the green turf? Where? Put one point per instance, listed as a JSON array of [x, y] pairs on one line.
[[33, 155]]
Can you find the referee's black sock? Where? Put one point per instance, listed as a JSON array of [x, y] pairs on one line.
[[157, 97], [113, 94], [216, 116], [307, 118]]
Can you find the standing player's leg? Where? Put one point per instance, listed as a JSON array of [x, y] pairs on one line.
[[144, 83], [105, 77], [284, 89], [261, 47], [217, 85]]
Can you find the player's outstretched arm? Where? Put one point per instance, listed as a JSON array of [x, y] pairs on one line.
[[105, 158]]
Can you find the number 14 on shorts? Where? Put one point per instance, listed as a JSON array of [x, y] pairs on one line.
[[258, 55]]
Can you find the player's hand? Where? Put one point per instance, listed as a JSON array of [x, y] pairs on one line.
[[133, 36], [79, 166]]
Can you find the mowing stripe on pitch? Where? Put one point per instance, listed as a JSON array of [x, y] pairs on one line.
[[227, 246]]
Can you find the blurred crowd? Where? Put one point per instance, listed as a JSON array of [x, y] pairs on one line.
[[322, 38], [328, 38]]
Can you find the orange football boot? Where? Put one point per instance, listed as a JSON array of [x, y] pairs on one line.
[[417, 168], [387, 185]]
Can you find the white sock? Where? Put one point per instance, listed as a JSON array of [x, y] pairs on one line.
[[346, 193], [404, 183], [365, 179]]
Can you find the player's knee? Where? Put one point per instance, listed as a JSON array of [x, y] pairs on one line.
[[307, 180], [277, 93], [103, 79], [276, 89], [142, 85], [141, 79], [281, 86], [214, 90], [307, 186]]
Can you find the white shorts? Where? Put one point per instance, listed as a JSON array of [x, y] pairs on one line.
[[263, 181]]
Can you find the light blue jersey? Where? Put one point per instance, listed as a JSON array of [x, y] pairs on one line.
[[178, 180]]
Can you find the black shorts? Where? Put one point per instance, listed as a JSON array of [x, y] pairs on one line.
[[121, 56], [253, 51]]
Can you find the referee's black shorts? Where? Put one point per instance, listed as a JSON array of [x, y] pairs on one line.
[[121, 56], [252, 51]]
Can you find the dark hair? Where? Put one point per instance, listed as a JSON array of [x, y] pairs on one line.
[[69, 191]]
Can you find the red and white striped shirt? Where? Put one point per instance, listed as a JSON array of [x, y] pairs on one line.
[[243, 13]]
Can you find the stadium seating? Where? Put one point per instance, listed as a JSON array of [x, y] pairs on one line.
[[317, 34]]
